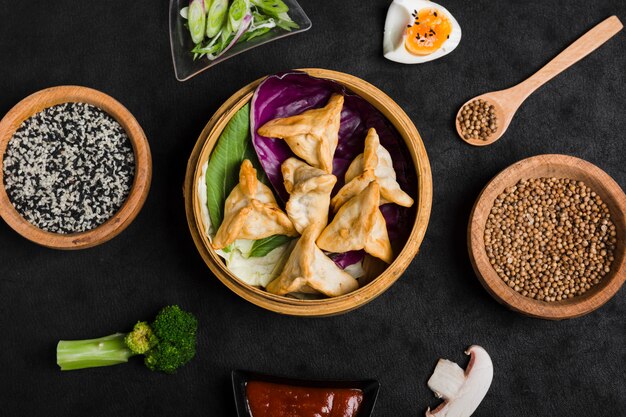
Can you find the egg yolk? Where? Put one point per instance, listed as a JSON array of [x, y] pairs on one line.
[[429, 31]]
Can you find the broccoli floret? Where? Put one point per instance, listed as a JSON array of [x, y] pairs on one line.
[[168, 357], [141, 339], [167, 344], [175, 330], [174, 325]]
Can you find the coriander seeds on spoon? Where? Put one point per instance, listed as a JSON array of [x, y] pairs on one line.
[[498, 108]]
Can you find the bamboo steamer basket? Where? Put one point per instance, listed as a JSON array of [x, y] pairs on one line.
[[385, 277]]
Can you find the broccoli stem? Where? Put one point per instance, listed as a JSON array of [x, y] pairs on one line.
[[91, 353]]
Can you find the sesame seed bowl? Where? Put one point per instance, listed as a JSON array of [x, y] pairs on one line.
[[546, 237], [75, 167]]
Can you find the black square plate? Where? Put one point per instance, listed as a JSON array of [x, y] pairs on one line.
[[369, 388]]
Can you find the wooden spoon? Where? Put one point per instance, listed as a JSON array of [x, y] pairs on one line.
[[506, 102]]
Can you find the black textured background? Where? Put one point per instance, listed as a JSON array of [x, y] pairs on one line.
[[571, 368]]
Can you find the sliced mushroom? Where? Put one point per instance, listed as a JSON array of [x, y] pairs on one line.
[[462, 391]]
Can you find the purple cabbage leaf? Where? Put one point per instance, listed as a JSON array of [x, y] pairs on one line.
[[291, 93]]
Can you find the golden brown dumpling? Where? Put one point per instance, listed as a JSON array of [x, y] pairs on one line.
[[359, 224], [308, 270], [374, 163], [312, 135], [251, 212], [309, 191]]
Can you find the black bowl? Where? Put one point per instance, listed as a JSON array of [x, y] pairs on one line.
[[369, 387]]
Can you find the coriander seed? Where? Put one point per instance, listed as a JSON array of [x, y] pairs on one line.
[[478, 120], [550, 239]]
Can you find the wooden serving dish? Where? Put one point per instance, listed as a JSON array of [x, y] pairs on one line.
[[559, 166], [143, 166], [328, 306]]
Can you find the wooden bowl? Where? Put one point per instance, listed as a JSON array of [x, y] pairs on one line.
[[559, 166], [143, 167], [327, 306]]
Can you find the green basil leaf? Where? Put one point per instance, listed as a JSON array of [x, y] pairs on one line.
[[262, 247], [222, 174]]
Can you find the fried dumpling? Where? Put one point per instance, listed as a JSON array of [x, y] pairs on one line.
[[309, 191], [309, 270], [359, 224], [374, 163], [312, 135], [251, 212]]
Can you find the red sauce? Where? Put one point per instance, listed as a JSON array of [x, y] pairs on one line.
[[275, 400]]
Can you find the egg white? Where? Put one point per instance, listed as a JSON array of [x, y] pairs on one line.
[[399, 17]]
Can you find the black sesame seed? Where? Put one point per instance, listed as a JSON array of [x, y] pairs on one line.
[[69, 168], [435, 14]]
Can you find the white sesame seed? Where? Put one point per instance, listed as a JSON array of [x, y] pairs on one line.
[[69, 168]]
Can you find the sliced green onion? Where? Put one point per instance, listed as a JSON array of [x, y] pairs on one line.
[[260, 25], [259, 31], [197, 20], [268, 24], [227, 22], [217, 15], [285, 22], [261, 21], [271, 7], [232, 40], [225, 36], [211, 48], [238, 9]]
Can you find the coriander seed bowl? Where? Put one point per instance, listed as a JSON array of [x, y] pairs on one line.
[[584, 302], [84, 143]]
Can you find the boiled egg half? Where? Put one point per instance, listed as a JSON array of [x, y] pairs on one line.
[[418, 31]]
